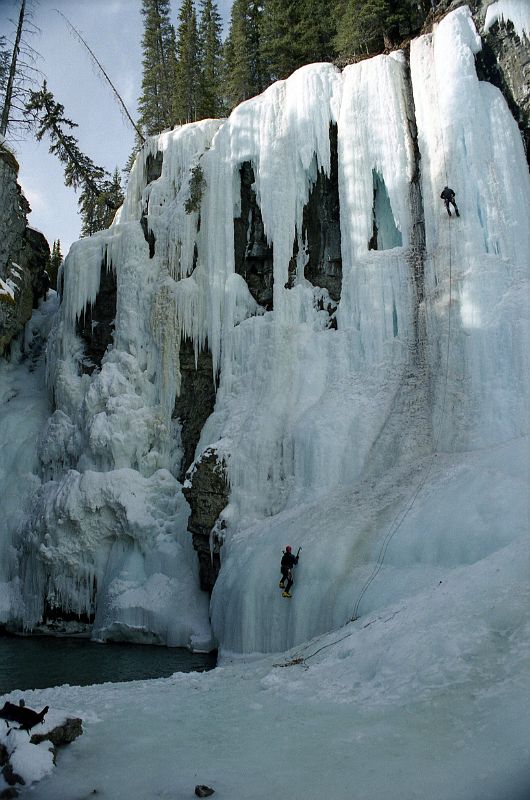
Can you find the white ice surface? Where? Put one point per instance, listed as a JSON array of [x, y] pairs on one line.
[[24, 410]]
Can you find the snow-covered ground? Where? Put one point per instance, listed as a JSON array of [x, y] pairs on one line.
[[395, 450], [428, 697]]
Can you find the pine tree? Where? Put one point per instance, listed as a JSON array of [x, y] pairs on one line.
[[4, 65], [315, 31], [99, 198], [210, 58], [159, 67], [98, 209], [243, 73], [48, 117], [188, 80], [18, 74], [370, 26], [279, 41], [54, 263]]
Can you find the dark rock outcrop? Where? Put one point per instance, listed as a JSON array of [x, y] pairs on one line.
[[62, 734], [204, 791], [196, 400], [153, 167], [321, 228], [8, 794], [24, 255], [206, 491], [252, 252], [11, 777], [505, 61], [95, 326], [153, 170]]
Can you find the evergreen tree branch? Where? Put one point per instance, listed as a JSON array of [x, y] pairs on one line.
[[79, 170]]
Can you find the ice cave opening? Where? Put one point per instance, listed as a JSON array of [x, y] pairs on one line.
[[385, 233]]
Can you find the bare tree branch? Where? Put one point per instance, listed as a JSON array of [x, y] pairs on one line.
[[94, 58], [12, 71]]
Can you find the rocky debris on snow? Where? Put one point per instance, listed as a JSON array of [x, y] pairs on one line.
[[8, 793], [25, 760], [27, 718], [204, 791], [63, 734]]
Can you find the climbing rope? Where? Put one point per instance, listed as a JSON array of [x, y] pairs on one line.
[[298, 657], [398, 520]]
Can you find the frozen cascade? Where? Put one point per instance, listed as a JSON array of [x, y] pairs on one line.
[[346, 387], [325, 433], [25, 409], [482, 268]]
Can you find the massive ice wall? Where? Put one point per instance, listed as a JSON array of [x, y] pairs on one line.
[[468, 139], [328, 415]]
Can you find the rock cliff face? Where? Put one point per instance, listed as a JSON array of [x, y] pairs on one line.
[[252, 251], [320, 238], [207, 493], [24, 253], [196, 400]]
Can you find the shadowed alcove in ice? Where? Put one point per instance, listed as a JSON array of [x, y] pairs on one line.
[[385, 234]]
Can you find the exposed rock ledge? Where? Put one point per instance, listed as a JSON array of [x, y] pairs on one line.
[[206, 490], [24, 255]]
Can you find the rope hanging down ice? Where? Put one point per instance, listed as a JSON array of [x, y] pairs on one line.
[[398, 520]]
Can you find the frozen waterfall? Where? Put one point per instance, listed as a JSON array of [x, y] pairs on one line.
[[411, 409]]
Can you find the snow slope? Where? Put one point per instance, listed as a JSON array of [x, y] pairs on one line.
[[429, 698]]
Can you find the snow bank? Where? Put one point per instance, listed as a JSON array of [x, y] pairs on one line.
[[29, 762], [427, 698]]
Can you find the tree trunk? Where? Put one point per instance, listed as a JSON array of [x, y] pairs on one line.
[[12, 71]]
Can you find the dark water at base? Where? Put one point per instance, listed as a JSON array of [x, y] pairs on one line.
[[38, 662]]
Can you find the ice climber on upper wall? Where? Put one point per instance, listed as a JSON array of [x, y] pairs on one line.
[[448, 196]]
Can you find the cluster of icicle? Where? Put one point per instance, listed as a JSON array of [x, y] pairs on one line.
[[302, 409]]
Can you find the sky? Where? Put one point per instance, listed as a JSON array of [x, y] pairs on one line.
[[113, 29]]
